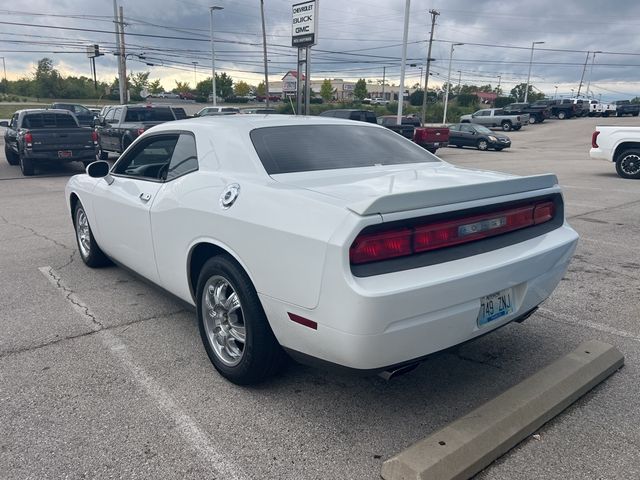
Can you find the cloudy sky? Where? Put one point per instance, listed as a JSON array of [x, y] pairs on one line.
[[357, 39]]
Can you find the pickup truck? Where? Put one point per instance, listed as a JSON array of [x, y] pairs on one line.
[[619, 144], [625, 107], [496, 117], [37, 136], [562, 108], [428, 137], [536, 114], [598, 109], [122, 124]]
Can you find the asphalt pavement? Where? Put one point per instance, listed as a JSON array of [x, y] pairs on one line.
[[104, 376]]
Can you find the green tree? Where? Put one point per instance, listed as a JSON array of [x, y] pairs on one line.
[[416, 97], [47, 79], [204, 88], [155, 86], [360, 90], [181, 87], [224, 85], [326, 90], [138, 81], [241, 89], [517, 92], [261, 91]]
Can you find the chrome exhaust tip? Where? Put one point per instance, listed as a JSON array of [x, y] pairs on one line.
[[396, 372]]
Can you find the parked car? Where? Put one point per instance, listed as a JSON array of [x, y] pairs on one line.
[[379, 101], [496, 117], [122, 124], [473, 135], [536, 114], [37, 136], [561, 108], [351, 114], [187, 96], [85, 117], [354, 248], [168, 95], [217, 111], [429, 137], [619, 144], [625, 107], [582, 106]]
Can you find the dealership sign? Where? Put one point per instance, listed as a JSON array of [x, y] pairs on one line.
[[304, 24]]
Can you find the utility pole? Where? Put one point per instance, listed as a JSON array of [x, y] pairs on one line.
[[264, 47], [593, 60], [116, 22], [123, 59], [384, 80], [213, 55], [459, 80], [403, 66], [584, 69], [4, 68], [434, 14], [498, 87], [526, 89]]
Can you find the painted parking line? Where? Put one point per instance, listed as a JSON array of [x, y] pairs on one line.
[[186, 425]]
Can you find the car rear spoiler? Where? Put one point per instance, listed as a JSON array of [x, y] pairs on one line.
[[401, 202]]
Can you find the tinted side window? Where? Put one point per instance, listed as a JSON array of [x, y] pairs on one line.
[[149, 159], [370, 117], [184, 159]]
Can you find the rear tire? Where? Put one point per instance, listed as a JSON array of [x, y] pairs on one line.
[[235, 333], [26, 165], [11, 156], [89, 250], [533, 120], [628, 164], [102, 155], [562, 115], [506, 126]]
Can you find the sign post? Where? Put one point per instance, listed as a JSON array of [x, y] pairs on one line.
[[304, 27]]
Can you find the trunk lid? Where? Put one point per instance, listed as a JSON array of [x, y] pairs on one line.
[[55, 139], [390, 189]]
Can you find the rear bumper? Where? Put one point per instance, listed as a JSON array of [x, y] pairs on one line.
[[52, 156], [598, 154], [430, 145], [375, 322]]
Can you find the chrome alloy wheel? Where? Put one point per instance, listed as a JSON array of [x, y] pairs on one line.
[[630, 164], [223, 320], [83, 232]]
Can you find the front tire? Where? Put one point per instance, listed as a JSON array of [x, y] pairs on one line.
[[102, 155], [89, 250], [482, 144], [10, 155], [26, 166], [533, 119], [233, 326], [628, 164], [506, 126], [562, 115]]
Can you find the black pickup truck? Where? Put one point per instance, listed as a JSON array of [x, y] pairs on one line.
[[122, 124], [537, 113], [43, 135], [625, 107], [562, 108]]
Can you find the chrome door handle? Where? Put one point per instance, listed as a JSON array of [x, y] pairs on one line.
[[145, 197]]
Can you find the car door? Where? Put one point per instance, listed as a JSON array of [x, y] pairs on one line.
[[11, 135], [467, 135], [122, 203], [104, 130]]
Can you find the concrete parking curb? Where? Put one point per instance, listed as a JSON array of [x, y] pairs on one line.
[[472, 442]]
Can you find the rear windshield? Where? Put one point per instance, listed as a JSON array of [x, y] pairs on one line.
[[48, 120], [149, 115], [298, 148]]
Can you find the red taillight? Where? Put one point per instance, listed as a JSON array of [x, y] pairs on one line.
[[94, 136], [28, 137], [140, 131], [594, 139], [371, 247], [543, 212], [381, 245]]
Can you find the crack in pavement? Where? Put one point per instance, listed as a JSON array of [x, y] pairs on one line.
[[31, 348], [462, 357]]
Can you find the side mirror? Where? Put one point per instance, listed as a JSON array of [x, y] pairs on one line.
[[98, 169], [4, 123]]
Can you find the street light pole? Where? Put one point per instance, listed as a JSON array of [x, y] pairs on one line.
[[446, 97], [4, 68], [384, 80], [213, 56], [195, 74], [526, 90], [556, 93], [403, 65]]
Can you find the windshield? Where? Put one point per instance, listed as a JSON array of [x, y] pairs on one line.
[[297, 148]]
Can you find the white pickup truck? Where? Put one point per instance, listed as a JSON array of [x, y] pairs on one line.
[[619, 144], [496, 117]]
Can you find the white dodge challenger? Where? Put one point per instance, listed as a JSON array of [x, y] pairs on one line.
[[337, 242]]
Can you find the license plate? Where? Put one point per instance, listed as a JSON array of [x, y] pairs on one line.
[[495, 306], [437, 144], [65, 154]]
